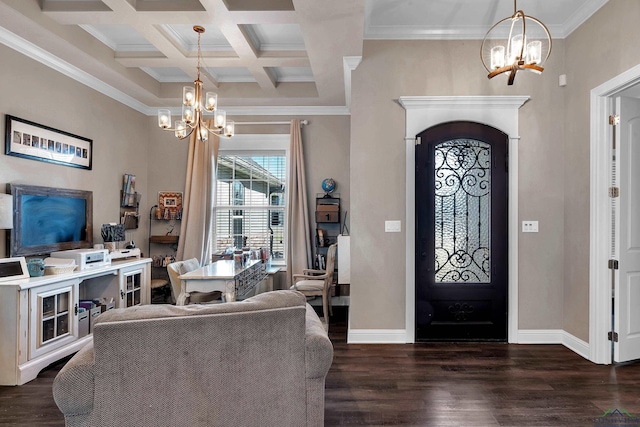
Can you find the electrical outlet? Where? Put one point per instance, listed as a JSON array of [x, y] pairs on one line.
[[529, 226]]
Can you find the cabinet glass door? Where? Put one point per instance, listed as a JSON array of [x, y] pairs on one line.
[[52, 317], [132, 288]]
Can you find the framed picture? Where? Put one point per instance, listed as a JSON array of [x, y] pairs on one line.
[[38, 142], [13, 268], [169, 205]]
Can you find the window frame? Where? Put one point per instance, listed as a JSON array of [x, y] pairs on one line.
[[250, 145]]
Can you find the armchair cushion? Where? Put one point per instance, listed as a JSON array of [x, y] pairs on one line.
[[309, 285]]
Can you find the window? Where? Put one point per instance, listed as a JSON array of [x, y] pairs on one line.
[[250, 202]]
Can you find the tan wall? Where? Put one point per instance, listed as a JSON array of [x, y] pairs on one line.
[[602, 48], [391, 69], [325, 143], [37, 93]]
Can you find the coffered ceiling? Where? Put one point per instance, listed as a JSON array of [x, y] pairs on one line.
[[261, 56]]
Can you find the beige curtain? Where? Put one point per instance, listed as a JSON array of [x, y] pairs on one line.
[[299, 233], [196, 228]]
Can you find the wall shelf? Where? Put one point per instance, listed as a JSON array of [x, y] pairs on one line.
[[163, 239]]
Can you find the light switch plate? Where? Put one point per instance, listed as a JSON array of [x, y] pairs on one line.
[[529, 226], [392, 226]]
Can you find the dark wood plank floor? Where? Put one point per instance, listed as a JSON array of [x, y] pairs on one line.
[[427, 385]]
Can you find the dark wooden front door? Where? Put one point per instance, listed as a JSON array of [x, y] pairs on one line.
[[462, 233]]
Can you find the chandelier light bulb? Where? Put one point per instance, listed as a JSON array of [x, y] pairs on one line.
[[187, 114], [188, 95], [515, 48], [229, 129], [181, 129], [203, 134], [534, 52], [220, 119], [212, 101], [164, 118], [497, 57]]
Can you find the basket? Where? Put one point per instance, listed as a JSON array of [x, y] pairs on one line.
[[54, 270]]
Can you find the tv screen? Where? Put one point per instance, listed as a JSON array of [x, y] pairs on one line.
[[50, 219]]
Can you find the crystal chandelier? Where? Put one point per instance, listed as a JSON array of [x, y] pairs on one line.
[[193, 110], [518, 42]]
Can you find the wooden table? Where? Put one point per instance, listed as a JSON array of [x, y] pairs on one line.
[[216, 277]]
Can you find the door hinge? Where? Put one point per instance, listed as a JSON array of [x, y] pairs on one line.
[[614, 192], [614, 119], [613, 264], [612, 336], [418, 140]]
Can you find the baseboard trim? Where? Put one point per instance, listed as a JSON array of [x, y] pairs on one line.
[[377, 336], [554, 336], [525, 336], [576, 345], [540, 336]]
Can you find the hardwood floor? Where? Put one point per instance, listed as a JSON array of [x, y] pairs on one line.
[[469, 384], [427, 385]]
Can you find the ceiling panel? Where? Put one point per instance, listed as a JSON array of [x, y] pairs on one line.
[[266, 37], [231, 74], [292, 74], [211, 40], [119, 37], [167, 74], [305, 43]]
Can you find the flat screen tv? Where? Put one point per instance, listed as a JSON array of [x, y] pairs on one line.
[[49, 219]]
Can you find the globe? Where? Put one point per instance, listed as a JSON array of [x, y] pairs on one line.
[[328, 185]]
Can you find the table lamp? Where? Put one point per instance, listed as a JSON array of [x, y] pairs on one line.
[[6, 211]]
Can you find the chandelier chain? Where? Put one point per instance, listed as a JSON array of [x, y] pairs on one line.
[[199, 54]]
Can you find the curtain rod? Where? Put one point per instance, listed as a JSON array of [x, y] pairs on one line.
[[302, 122]]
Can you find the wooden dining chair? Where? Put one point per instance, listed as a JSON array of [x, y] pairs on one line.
[[313, 283]]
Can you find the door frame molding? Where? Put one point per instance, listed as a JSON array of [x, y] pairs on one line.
[[602, 98], [423, 112]]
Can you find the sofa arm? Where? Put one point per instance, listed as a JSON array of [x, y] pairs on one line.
[[319, 350], [73, 387]]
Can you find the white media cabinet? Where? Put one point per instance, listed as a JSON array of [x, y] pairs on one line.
[[39, 322]]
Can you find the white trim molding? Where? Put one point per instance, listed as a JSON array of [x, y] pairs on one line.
[[376, 336], [600, 214], [554, 336], [423, 112], [349, 63], [467, 32]]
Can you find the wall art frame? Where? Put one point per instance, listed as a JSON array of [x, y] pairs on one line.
[[169, 205], [29, 140]]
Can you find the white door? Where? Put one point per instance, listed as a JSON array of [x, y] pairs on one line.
[[627, 283]]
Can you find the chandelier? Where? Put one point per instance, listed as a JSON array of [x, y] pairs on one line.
[[518, 42], [193, 110]]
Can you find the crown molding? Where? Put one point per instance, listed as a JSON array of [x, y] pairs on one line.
[[292, 110], [440, 102], [34, 52], [472, 32], [581, 15]]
